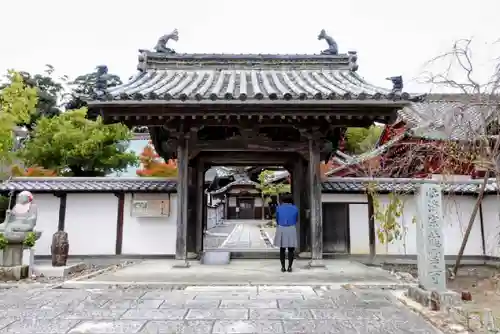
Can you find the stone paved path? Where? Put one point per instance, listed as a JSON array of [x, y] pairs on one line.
[[207, 310], [246, 235]]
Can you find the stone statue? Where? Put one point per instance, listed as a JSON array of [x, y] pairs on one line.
[[21, 219], [332, 45], [161, 45]]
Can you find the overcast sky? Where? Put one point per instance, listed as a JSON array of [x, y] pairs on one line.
[[391, 37]]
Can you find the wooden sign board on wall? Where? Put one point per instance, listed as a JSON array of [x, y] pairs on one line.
[[150, 205]]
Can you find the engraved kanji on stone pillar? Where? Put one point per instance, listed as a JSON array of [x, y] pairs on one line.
[[430, 238]]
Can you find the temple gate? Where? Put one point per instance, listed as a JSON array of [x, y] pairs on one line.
[[247, 109]]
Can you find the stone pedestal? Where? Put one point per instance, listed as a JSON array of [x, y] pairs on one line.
[[13, 255], [14, 273], [12, 268]]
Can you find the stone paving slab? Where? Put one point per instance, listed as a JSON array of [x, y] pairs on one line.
[[252, 309], [162, 273]]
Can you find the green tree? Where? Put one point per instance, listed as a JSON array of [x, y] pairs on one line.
[[71, 144], [50, 91], [361, 140], [269, 189], [17, 104]]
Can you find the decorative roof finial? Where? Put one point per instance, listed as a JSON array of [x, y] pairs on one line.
[[397, 84], [101, 81], [161, 45], [332, 45]]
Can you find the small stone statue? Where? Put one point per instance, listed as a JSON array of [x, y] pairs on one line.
[[22, 218], [161, 45], [332, 45]]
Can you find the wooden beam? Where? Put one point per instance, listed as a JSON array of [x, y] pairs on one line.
[[256, 145], [231, 158], [62, 211], [371, 228], [119, 223], [182, 194], [335, 121], [316, 220]]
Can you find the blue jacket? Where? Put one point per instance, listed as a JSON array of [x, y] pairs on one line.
[[286, 215]]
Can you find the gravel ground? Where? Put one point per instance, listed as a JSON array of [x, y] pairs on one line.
[[483, 282], [93, 265]]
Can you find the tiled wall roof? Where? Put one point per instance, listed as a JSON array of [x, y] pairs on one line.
[[105, 184]]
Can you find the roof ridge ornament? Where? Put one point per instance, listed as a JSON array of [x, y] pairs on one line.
[[397, 88], [101, 82], [161, 45], [332, 45]]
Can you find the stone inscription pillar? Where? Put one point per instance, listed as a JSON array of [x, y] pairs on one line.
[[430, 238], [182, 199], [316, 219]]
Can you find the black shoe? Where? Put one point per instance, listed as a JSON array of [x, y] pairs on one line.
[[283, 269], [289, 269]]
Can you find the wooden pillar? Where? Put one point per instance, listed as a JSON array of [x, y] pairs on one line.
[[316, 220], [200, 176], [297, 189], [119, 223], [191, 213], [62, 211], [182, 196]]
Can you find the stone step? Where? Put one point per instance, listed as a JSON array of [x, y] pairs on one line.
[[216, 257]]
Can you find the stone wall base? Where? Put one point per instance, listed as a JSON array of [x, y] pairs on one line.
[[15, 273], [445, 299]]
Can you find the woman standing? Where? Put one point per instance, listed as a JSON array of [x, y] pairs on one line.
[[286, 233]]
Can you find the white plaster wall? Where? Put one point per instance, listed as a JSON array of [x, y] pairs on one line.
[[47, 221], [91, 223], [359, 228], [358, 219], [407, 244], [491, 222], [456, 211], [151, 235]]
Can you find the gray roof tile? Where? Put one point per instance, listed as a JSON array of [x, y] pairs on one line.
[[98, 184], [334, 186], [201, 84], [240, 182], [447, 120], [211, 77]]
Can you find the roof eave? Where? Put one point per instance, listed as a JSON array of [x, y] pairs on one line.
[[274, 103]]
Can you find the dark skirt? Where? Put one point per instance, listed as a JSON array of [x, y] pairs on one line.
[[285, 237]]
